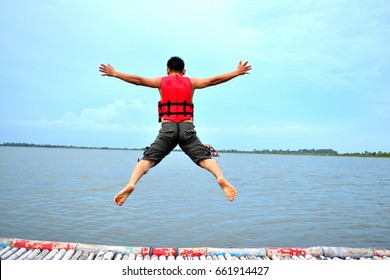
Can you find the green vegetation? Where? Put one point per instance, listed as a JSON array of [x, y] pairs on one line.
[[304, 152], [61, 146], [310, 152]]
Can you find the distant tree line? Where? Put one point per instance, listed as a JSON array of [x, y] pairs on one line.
[[308, 152], [60, 146], [323, 152]]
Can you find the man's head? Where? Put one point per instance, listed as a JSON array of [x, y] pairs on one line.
[[175, 65]]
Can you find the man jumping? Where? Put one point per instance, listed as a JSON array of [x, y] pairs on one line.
[[176, 113]]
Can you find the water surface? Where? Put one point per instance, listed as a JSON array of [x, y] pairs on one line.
[[67, 195]]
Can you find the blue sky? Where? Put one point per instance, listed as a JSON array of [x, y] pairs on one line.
[[320, 78]]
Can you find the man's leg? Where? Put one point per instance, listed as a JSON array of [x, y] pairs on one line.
[[212, 166], [193, 147], [140, 169], [164, 143]]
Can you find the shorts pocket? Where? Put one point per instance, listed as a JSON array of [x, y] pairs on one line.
[[166, 134], [189, 133], [147, 150]]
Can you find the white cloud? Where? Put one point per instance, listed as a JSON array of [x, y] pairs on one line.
[[283, 129], [113, 116]]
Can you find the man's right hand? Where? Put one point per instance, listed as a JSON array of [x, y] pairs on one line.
[[107, 70]]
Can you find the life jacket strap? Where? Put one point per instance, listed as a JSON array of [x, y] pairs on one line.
[[165, 109]]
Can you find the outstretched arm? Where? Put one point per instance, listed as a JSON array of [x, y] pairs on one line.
[[109, 71], [242, 69]]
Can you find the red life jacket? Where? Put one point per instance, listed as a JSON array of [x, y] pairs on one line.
[[176, 99]]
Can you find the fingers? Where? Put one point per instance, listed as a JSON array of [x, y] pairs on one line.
[[245, 65], [244, 68], [102, 68], [105, 69]]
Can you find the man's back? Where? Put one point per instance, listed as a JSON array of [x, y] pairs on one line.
[[176, 99]]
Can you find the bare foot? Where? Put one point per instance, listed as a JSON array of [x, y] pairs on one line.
[[121, 197], [228, 189]]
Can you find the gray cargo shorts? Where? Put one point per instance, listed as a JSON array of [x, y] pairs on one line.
[[172, 134]]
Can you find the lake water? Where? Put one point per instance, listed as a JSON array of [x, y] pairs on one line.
[[283, 201]]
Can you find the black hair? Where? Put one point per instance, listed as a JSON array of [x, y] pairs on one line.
[[175, 64]]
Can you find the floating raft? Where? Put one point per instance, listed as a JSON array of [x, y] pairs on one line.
[[19, 249]]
